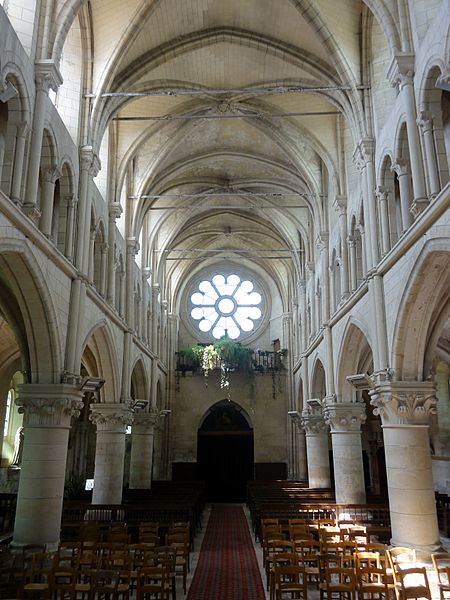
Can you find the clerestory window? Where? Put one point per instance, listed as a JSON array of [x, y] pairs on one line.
[[226, 305]]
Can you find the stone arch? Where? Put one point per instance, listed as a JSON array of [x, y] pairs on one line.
[[99, 347], [14, 124], [355, 353], [139, 383], [63, 224], [318, 380], [27, 306], [224, 403], [415, 327]]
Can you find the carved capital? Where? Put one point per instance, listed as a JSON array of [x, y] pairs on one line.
[[382, 193], [322, 241], [51, 174], [401, 69], [132, 246], [344, 416], [340, 205], [115, 210], [400, 167], [71, 200], [312, 419], [89, 161], [404, 402], [47, 75], [23, 130], [418, 206], [32, 212], [111, 417], [425, 121], [49, 405]]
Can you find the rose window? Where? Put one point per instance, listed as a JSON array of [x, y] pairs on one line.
[[226, 305]]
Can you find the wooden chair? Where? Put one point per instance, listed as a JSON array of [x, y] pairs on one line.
[[372, 582], [441, 564], [152, 582], [308, 556], [399, 557], [290, 581], [413, 583], [105, 584], [181, 546], [339, 583], [38, 581], [282, 559]]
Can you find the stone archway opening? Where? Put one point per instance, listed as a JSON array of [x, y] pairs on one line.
[[225, 453]]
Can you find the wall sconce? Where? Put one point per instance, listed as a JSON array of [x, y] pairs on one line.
[[91, 384], [360, 381], [140, 405]]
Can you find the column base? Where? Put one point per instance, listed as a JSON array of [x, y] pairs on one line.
[[423, 553]]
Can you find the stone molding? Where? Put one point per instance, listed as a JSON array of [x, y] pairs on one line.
[[404, 402], [312, 419], [343, 417], [401, 69], [49, 405], [111, 417], [47, 75]]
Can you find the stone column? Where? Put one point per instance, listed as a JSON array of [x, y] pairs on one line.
[[19, 157], [382, 195], [141, 459], [316, 444], [47, 77], [425, 123], [111, 420], [71, 203], [103, 268], [345, 419], [146, 274], [340, 205], [300, 462], [115, 210], [367, 146], [322, 245], [89, 168], [401, 73], [47, 411], [405, 408], [352, 256], [401, 168], [91, 261], [49, 178]]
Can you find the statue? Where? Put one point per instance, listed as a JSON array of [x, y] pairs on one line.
[[18, 449]]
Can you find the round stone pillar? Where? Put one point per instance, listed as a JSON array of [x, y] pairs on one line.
[[111, 420], [141, 459], [316, 445], [405, 408], [345, 419], [47, 411]]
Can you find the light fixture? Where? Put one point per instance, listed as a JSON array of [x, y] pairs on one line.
[[140, 405], [165, 412], [361, 381], [8, 92], [91, 384]]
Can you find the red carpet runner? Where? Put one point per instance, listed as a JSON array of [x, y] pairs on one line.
[[227, 568]]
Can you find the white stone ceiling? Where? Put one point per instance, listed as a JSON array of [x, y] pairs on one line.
[[227, 46]]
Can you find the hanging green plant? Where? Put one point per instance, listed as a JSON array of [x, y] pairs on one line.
[[225, 354]]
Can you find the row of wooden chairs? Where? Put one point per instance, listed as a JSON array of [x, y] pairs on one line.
[[377, 574], [86, 575]]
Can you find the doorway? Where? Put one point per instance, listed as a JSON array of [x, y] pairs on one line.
[[225, 455]]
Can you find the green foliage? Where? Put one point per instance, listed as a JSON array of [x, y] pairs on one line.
[[225, 350]]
